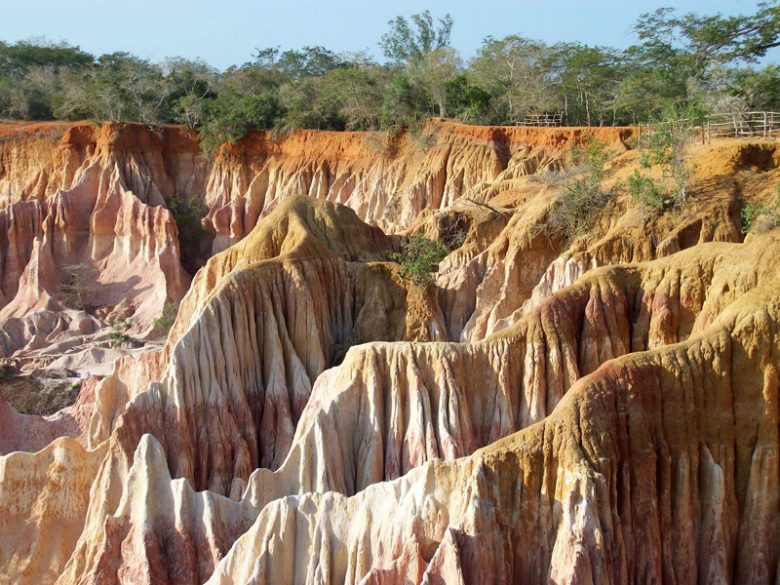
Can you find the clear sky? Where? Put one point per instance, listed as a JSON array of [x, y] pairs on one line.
[[226, 32]]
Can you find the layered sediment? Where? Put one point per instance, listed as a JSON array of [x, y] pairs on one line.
[[591, 409]]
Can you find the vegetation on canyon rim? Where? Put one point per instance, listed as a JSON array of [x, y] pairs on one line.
[[682, 61]]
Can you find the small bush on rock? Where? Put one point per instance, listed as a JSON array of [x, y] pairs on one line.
[[664, 147], [117, 336], [645, 192], [420, 258], [168, 317], [79, 284], [582, 196], [760, 218]]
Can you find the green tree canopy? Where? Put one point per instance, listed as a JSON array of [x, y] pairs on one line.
[[683, 61], [410, 40]]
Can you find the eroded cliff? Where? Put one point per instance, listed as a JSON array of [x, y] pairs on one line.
[[591, 409]]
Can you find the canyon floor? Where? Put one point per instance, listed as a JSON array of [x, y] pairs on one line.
[[598, 407]]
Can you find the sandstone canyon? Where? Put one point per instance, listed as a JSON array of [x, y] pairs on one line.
[[597, 408]]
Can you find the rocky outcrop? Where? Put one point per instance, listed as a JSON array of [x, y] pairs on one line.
[[44, 500], [85, 240], [387, 180], [632, 478], [601, 409], [93, 198], [391, 408]]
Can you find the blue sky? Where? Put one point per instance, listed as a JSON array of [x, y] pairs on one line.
[[225, 32]]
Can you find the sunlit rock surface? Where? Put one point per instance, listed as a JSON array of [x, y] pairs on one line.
[[599, 409]]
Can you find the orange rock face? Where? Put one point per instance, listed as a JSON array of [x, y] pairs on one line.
[[83, 207], [594, 409]]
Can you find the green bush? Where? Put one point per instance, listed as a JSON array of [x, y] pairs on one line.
[[645, 192], [581, 201], [419, 259], [582, 196], [664, 147], [757, 218], [592, 157], [186, 213], [117, 336], [168, 317], [231, 115]]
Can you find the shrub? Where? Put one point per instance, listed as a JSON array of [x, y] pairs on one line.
[[385, 144], [419, 258], [118, 336], [593, 156], [186, 213], [168, 317], [645, 192], [453, 230], [578, 206], [79, 283], [759, 218], [582, 196], [231, 115], [664, 147]]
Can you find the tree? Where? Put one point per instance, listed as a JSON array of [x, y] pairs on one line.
[[30, 76], [467, 101], [124, 87], [714, 39], [307, 62], [357, 88], [231, 115], [404, 101], [17, 59], [38, 93], [76, 101], [759, 88], [678, 60], [407, 42], [515, 72], [190, 85], [678, 52], [588, 81], [78, 285], [434, 71], [655, 75], [665, 148]]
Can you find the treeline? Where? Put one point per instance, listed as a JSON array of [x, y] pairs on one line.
[[688, 62]]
